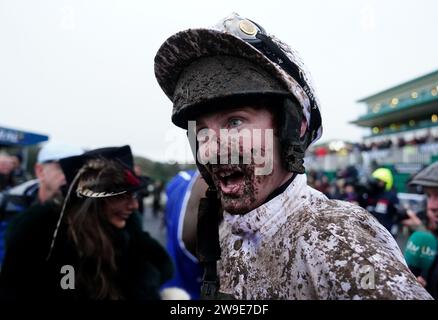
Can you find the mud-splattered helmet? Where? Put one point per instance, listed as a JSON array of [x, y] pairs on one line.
[[189, 69]]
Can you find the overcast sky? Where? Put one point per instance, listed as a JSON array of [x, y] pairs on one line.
[[81, 71]]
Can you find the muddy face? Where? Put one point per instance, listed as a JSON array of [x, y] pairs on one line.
[[237, 185], [240, 185]]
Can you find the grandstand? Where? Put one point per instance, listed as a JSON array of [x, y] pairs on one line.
[[403, 131]]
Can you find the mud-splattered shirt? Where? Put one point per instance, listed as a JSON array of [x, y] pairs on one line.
[[301, 245]]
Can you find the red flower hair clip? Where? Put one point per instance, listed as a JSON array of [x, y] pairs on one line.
[[131, 179]]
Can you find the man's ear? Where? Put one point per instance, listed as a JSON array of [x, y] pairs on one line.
[[303, 128], [39, 168]]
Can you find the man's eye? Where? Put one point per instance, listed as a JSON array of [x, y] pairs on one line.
[[235, 122]]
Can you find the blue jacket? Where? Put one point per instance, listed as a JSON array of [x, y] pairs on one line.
[[188, 272]]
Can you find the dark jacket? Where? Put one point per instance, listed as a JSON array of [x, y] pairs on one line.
[[143, 264], [432, 275], [384, 206], [12, 202]]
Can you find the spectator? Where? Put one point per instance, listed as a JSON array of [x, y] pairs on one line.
[[156, 204], [422, 245], [381, 200], [47, 186], [141, 194], [97, 234], [19, 175], [350, 194], [6, 169]]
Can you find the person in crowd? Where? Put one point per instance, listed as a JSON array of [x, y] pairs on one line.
[[47, 186], [90, 248], [144, 192], [19, 174], [181, 213], [350, 194], [48, 182], [322, 184], [6, 169], [156, 202], [421, 249], [336, 190], [279, 238], [381, 200]]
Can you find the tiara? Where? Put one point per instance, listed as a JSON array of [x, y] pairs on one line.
[[85, 192]]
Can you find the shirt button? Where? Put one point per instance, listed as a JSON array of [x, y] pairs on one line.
[[238, 244]]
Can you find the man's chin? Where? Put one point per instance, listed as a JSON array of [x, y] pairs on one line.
[[236, 206]]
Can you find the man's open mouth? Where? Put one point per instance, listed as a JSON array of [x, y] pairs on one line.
[[231, 180]]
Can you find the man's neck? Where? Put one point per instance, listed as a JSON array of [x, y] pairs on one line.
[[283, 186], [44, 195], [287, 178]]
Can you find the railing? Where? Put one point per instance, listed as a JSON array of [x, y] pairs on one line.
[[424, 124], [420, 154]]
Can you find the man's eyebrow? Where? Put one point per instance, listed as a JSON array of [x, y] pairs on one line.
[[240, 111]]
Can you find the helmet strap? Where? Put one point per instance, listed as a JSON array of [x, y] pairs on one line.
[[208, 248], [292, 145]]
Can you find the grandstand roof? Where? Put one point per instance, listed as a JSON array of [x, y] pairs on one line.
[[431, 77], [413, 99], [13, 137]]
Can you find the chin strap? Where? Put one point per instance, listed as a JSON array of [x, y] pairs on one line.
[[293, 147], [208, 248]]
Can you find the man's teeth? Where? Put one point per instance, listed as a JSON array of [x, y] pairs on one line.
[[225, 174], [228, 173]]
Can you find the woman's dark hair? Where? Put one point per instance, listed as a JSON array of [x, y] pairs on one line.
[[91, 232]]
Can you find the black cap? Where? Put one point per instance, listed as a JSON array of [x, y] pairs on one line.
[[122, 155]]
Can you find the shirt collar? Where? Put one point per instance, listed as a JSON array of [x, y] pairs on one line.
[[273, 213]]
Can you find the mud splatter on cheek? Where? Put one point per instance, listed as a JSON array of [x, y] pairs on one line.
[[251, 183]]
